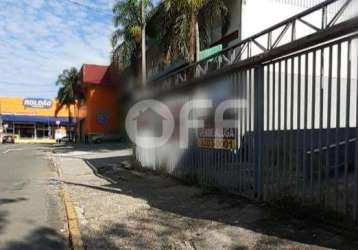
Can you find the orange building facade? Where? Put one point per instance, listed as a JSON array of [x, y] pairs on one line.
[[33, 117], [98, 113]]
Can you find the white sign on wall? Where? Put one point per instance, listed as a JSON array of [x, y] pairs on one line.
[[37, 103]]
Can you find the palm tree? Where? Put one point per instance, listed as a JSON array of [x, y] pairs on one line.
[[126, 39], [181, 22], [69, 92]]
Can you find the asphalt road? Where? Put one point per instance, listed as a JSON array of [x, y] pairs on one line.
[[31, 211]]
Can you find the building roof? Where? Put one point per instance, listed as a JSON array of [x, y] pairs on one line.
[[94, 74], [98, 75]]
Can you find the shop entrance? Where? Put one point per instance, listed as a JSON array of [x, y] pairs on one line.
[[30, 130], [25, 130]]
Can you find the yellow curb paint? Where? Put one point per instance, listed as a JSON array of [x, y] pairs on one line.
[[72, 220]]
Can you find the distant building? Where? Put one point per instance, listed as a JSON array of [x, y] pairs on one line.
[[98, 114], [33, 118]]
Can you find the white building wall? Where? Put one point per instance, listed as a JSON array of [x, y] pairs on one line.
[[258, 15]]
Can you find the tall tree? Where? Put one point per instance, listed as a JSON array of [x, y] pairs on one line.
[[70, 91], [126, 39], [181, 24]]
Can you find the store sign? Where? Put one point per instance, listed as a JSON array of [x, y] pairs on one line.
[[217, 138], [37, 103]]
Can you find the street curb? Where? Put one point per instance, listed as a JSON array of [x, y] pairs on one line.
[[74, 232], [72, 221]]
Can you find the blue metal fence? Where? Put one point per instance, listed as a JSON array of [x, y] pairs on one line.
[[296, 135]]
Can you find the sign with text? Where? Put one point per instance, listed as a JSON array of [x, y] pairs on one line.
[[217, 138], [37, 103]]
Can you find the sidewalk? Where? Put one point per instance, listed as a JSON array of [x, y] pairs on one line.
[[121, 208]]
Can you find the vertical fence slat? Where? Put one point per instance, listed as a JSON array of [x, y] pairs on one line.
[[329, 114], [241, 153], [285, 126], [291, 153], [248, 122], [313, 127], [273, 139], [320, 133], [236, 160], [259, 126], [252, 127], [346, 143], [305, 125], [299, 75], [267, 134], [338, 107], [279, 133], [247, 182]]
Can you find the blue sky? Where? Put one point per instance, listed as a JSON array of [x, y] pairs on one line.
[[40, 38]]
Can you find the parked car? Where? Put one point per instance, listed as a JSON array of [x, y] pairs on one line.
[[101, 138], [8, 139], [66, 140], [97, 139]]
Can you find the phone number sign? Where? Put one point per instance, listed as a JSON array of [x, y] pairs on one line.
[[217, 138]]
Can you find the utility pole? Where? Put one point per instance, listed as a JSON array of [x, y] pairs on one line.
[[144, 60]]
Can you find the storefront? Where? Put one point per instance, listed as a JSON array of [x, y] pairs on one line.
[[33, 118]]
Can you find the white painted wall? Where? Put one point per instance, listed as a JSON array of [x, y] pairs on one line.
[[258, 15]]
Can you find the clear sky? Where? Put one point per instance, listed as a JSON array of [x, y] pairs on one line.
[[40, 38]]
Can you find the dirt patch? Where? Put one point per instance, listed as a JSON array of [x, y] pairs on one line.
[[123, 208]]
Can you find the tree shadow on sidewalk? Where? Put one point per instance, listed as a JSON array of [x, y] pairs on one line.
[[185, 203], [40, 239]]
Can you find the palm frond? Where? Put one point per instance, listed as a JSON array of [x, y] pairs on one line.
[[178, 26], [70, 89], [126, 39]]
